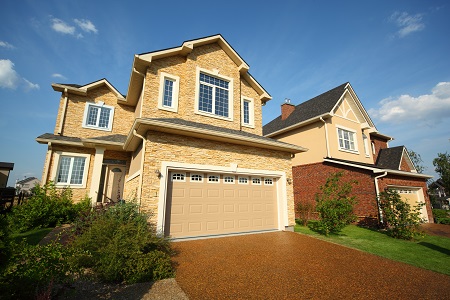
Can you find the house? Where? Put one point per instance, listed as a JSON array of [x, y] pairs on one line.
[[340, 136], [437, 190], [185, 142], [5, 169], [25, 185]]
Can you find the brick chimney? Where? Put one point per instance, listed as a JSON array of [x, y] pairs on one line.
[[286, 109]]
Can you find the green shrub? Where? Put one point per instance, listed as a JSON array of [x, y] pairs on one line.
[[121, 246], [33, 270], [401, 220], [334, 206], [304, 211], [5, 241], [441, 216], [48, 207]]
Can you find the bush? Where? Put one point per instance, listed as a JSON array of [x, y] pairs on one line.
[[5, 241], [441, 216], [334, 206], [401, 220], [48, 207], [304, 211], [121, 246]]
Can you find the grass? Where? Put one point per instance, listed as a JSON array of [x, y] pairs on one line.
[[33, 237], [430, 252]]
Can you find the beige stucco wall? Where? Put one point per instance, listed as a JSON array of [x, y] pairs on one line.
[[174, 148], [76, 104], [210, 57]]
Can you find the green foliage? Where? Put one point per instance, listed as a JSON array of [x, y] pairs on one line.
[[401, 220], [442, 166], [441, 216], [31, 270], [5, 240], [334, 206], [48, 207], [304, 211], [417, 161], [121, 246]]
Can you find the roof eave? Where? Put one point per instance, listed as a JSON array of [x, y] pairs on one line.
[[297, 125]]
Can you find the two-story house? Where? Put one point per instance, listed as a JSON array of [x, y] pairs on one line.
[[185, 142], [340, 136]]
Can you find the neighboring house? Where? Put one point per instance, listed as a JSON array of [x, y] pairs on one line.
[[340, 136], [185, 143], [441, 196], [25, 185], [5, 169]]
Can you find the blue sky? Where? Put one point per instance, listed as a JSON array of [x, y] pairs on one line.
[[395, 54]]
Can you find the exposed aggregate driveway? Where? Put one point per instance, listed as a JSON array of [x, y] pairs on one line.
[[287, 265]]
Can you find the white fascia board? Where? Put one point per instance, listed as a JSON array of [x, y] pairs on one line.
[[306, 122]]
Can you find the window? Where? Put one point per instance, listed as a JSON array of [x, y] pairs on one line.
[[214, 95], [168, 92], [256, 181], [243, 180], [247, 112], [197, 178], [268, 181], [346, 140], [178, 177], [228, 179], [366, 145], [98, 116], [213, 178], [71, 170]]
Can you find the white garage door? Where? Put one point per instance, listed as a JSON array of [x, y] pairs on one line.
[[203, 204], [413, 196]]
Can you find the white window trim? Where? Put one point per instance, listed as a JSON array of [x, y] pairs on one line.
[[355, 140], [271, 181], [196, 174], [226, 182], [239, 182], [181, 173], [256, 178], [215, 175], [366, 145], [214, 73], [98, 104], [57, 158], [175, 92], [251, 112]]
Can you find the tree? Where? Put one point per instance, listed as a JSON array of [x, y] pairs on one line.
[[442, 166], [417, 161]]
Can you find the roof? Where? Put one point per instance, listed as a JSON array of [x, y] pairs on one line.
[[315, 107], [6, 165], [114, 141], [375, 168], [83, 89], [23, 181], [204, 131], [142, 61], [390, 158]]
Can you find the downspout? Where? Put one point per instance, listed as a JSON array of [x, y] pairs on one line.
[[63, 114], [326, 136], [142, 166], [377, 190]]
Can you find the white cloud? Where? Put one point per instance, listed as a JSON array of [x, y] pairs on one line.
[[86, 25], [62, 27], [429, 109], [8, 76], [10, 79], [60, 76], [407, 23], [30, 86], [6, 45]]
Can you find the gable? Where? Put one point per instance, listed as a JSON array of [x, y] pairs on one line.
[[348, 109]]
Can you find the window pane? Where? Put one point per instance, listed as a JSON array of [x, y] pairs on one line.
[[92, 116], [63, 173], [205, 101], [168, 92], [77, 170], [246, 112], [221, 102], [104, 117]]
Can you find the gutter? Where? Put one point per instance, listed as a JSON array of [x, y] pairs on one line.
[[314, 119], [63, 114], [142, 166], [377, 190]]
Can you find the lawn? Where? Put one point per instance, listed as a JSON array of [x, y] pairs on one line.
[[430, 252], [33, 237]]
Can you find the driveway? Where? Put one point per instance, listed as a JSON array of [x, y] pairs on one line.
[[287, 265]]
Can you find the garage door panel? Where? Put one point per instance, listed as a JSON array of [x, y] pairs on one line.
[[210, 208]]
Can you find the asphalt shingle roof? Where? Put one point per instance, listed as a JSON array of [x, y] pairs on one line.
[[390, 158], [117, 138], [314, 107]]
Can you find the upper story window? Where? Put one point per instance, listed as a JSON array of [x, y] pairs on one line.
[[347, 140], [247, 112], [214, 95], [98, 116], [168, 92]]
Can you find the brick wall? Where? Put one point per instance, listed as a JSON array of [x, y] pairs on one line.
[[379, 144]]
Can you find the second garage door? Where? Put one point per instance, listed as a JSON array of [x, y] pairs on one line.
[[204, 204]]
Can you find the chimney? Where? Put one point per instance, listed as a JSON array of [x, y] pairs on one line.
[[286, 109]]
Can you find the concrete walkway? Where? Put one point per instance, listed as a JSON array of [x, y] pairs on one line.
[[287, 265]]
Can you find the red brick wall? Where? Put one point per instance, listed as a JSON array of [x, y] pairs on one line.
[[379, 144], [384, 182], [404, 165]]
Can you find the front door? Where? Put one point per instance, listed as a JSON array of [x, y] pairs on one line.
[[115, 177]]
